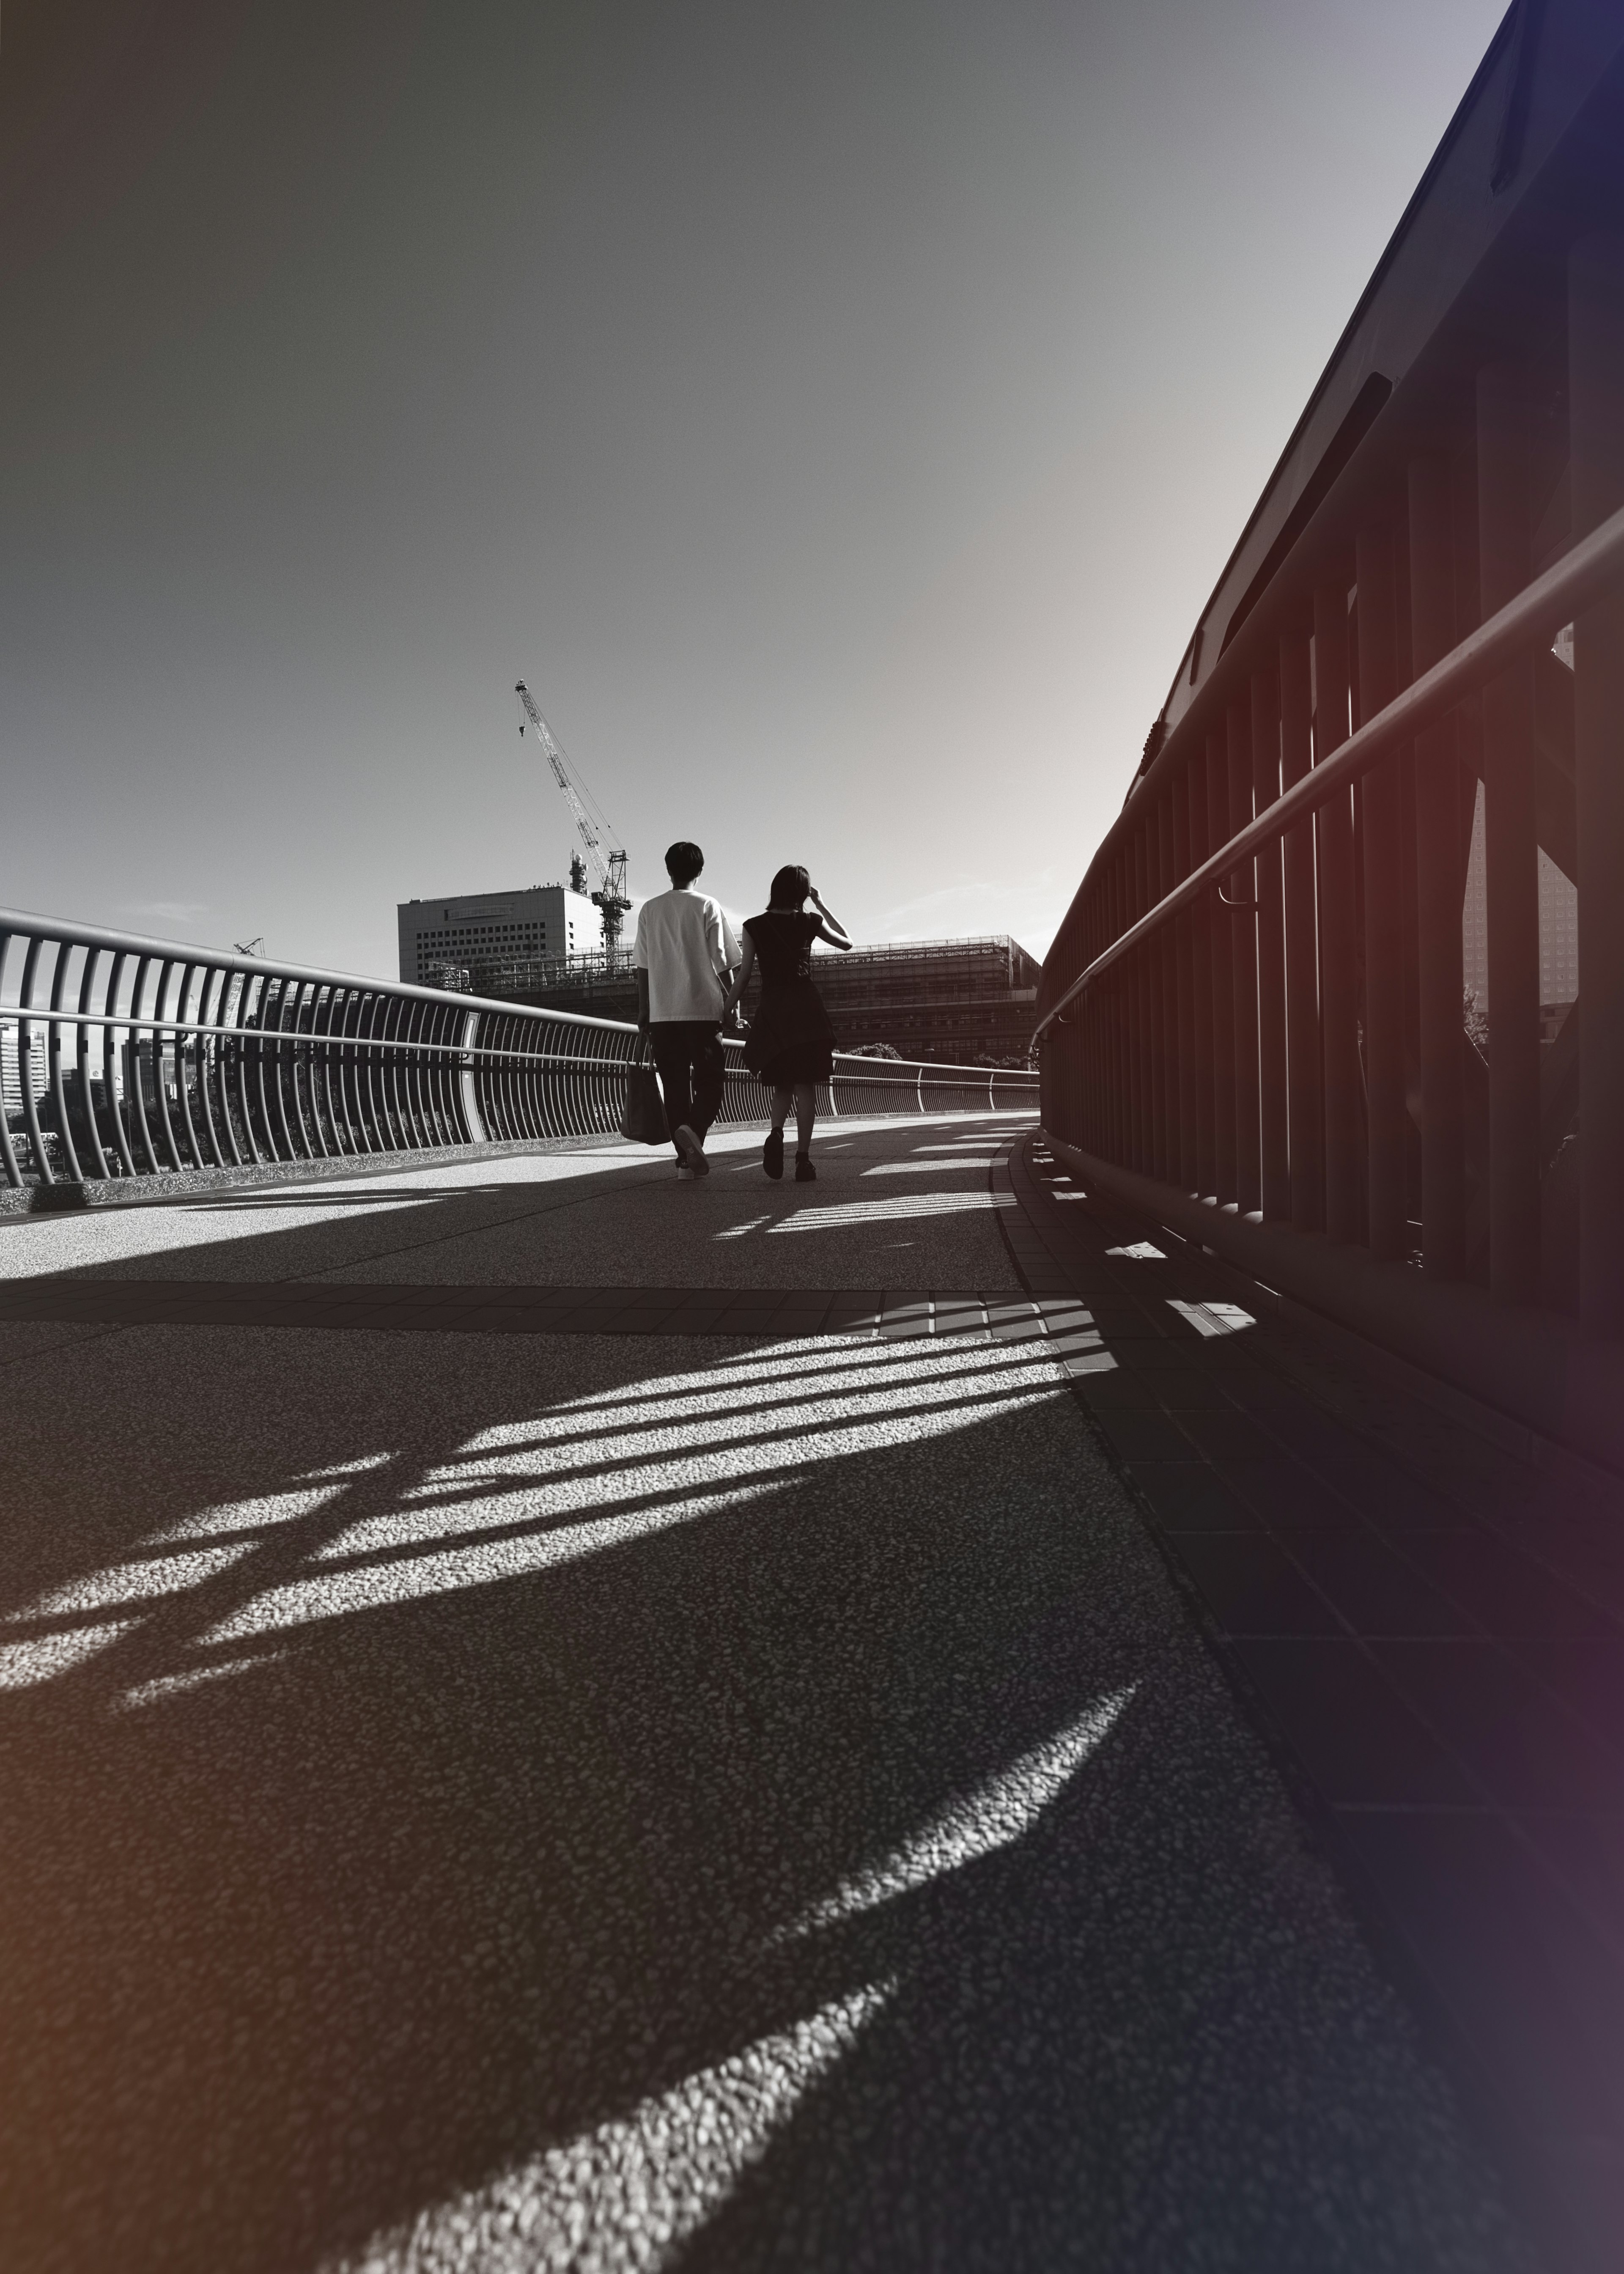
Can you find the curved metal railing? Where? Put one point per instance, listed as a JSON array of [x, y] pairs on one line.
[[126, 1056]]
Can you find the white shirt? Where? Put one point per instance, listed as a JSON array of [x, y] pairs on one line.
[[685, 943]]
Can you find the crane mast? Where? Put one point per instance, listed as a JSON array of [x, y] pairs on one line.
[[608, 866]]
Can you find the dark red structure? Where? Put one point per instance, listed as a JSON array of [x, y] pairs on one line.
[[1250, 1022]]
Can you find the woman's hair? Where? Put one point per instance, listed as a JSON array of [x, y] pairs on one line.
[[789, 888]]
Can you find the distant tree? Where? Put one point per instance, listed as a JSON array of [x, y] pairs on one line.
[[873, 1050]]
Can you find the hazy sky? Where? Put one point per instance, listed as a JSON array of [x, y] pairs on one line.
[[838, 415]]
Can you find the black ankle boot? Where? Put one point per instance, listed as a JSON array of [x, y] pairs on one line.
[[805, 1173], [773, 1152]]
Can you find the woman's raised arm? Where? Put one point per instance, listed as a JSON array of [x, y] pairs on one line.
[[829, 927]]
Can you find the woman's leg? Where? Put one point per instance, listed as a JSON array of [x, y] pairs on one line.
[[806, 1114], [780, 1106]]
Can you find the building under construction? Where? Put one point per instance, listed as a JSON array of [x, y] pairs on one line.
[[955, 1002]]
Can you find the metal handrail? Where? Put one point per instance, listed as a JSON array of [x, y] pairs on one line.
[[234, 1062], [1570, 585]]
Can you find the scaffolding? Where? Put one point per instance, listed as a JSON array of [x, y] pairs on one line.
[[956, 1001]]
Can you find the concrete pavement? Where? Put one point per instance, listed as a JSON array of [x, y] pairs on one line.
[[571, 1799]]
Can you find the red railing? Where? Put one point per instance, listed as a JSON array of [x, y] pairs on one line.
[[1253, 1022]]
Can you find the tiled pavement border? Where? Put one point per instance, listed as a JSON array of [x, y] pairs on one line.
[[1430, 1633]]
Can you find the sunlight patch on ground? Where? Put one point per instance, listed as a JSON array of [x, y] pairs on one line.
[[926, 1167], [193, 1677], [270, 1510], [42, 1658], [994, 1816], [1214, 1318], [905, 1204], [635, 2190], [1137, 1251], [585, 1476], [131, 1582]]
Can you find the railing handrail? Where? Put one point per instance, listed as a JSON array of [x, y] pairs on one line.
[[890, 1070], [1583, 574], [29, 924], [213, 958]]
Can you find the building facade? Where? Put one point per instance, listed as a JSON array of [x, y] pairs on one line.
[[950, 1001], [478, 931]]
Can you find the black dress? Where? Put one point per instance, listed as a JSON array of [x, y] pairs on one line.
[[790, 1039]]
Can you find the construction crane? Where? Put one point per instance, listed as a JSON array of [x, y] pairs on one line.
[[609, 868]]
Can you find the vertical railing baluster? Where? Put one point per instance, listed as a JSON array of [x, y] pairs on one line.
[[1596, 432], [1184, 976], [1274, 1152], [160, 1015], [8, 1151], [123, 1151], [1305, 1102], [1511, 861], [393, 1009], [182, 1018], [1200, 922], [1144, 1017], [1438, 881], [86, 986], [321, 1019], [208, 1064], [1382, 816], [40, 1159], [1241, 885], [1168, 1164], [1218, 822], [246, 1069], [288, 1068], [1339, 989], [146, 1159], [58, 1088]]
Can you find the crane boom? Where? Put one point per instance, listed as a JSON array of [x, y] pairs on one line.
[[609, 867]]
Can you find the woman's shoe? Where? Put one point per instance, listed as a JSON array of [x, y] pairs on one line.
[[773, 1152], [805, 1173]]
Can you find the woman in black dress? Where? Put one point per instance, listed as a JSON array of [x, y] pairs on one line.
[[790, 1041]]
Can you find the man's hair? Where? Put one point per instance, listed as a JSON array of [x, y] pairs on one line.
[[683, 861], [789, 888]]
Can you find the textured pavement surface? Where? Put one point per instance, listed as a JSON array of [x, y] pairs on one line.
[[879, 1216], [620, 1801]]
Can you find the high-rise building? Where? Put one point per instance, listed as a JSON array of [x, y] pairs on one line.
[[480, 930]]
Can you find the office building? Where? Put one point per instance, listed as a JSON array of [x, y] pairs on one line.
[[480, 932]]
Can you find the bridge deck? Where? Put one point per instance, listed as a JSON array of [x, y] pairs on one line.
[[553, 1718]]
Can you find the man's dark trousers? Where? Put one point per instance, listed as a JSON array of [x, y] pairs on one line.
[[687, 1053]]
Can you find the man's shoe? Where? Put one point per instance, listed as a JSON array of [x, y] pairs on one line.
[[773, 1152], [805, 1173], [692, 1151]]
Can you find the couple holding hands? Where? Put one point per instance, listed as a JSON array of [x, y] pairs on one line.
[[691, 974]]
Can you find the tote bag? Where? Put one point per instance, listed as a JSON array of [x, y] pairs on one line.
[[643, 1120]]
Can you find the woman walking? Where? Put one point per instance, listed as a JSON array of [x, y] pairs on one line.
[[791, 1042]]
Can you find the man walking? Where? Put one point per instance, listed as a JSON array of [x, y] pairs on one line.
[[686, 954]]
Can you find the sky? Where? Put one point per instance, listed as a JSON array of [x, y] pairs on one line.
[[838, 414]]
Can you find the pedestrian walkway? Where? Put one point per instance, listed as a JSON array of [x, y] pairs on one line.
[[1425, 1607], [553, 1718]]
